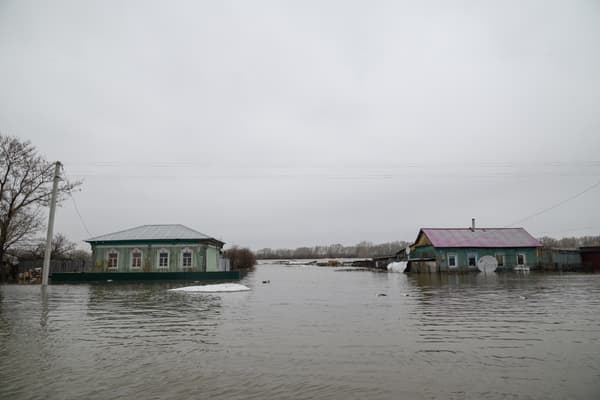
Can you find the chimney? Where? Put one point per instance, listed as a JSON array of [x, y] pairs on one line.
[[472, 224]]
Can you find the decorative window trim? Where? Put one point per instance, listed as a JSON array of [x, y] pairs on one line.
[[455, 256], [503, 257], [469, 256], [158, 259], [131, 259], [182, 259], [524, 259], [109, 266]]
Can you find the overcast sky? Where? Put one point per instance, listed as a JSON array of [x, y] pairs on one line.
[[285, 124]]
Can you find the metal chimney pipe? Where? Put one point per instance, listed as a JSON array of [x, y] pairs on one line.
[[473, 224]]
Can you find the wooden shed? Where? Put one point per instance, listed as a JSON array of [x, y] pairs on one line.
[[560, 259], [590, 257]]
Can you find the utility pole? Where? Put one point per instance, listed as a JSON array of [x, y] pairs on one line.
[[46, 266]]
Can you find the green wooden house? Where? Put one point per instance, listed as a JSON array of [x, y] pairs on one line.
[[467, 249], [157, 248]]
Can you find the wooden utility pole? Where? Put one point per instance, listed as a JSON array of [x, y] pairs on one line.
[[46, 266]]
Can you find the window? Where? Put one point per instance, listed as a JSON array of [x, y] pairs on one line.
[[500, 259], [520, 259], [472, 260], [163, 259], [186, 258], [452, 260], [136, 259], [113, 259]]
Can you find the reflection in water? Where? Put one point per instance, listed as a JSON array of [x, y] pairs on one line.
[[311, 333], [514, 328], [44, 310], [150, 311]]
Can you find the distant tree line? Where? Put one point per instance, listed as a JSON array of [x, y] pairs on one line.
[[570, 242], [363, 249], [366, 249]]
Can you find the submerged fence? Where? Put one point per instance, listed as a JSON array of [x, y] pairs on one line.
[[56, 265], [224, 264]]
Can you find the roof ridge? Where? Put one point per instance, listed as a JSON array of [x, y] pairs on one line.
[[159, 225], [192, 229], [114, 233], [468, 228], [166, 230]]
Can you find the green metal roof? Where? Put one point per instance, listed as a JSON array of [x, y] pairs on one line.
[[153, 232]]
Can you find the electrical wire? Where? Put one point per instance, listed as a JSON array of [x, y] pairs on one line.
[[360, 171], [76, 207], [595, 185], [79, 214], [585, 228], [501, 164]]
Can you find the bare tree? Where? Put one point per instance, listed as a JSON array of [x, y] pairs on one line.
[[60, 247], [25, 187]]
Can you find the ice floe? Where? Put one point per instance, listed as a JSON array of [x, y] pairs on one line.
[[397, 266], [221, 287]]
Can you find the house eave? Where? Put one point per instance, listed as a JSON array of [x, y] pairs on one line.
[[216, 242]]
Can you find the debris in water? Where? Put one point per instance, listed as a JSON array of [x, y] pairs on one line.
[[353, 269]]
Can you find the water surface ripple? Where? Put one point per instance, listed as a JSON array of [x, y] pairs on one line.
[[312, 333]]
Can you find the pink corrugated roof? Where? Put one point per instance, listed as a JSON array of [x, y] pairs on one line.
[[480, 237]]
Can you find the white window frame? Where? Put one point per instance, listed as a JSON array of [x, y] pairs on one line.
[[503, 259], [455, 255], [108, 258], [524, 259], [163, 267], [182, 258], [469, 255], [136, 251]]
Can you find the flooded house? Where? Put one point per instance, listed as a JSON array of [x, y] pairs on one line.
[[156, 248], [155, 252], [472, 249]]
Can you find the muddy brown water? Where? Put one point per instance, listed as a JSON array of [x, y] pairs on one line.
[[311, 333]]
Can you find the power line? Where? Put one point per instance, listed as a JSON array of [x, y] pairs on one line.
[[491, 164], [79, 214], [342, 175], [585, 228], [558, 204], [77, 208], [385, 170]]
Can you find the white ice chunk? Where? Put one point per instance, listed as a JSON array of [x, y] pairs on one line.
[[221, 287], [399, 266]]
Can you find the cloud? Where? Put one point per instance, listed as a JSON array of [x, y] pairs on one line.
[[280, 124]]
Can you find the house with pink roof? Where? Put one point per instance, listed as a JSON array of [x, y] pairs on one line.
[[473, 249]]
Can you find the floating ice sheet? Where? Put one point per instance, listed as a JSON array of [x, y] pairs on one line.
[[397, 266], [221, 287]]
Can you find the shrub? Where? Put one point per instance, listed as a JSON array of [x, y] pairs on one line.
[[240, 258]]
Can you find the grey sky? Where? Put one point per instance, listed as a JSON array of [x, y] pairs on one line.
[[282, 124]]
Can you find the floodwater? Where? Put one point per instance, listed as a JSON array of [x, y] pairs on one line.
[[311, 333]]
